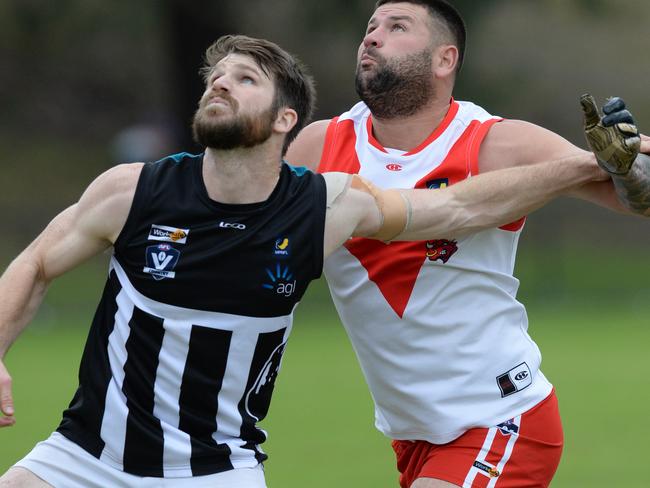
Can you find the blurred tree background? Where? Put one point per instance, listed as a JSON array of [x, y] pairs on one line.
[[87, 84]]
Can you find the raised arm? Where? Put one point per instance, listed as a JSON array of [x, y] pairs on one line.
[[512, 143], [79, 232], [495, 198], [357, 208]]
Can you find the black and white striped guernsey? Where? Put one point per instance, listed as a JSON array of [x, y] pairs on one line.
[[187, 340]]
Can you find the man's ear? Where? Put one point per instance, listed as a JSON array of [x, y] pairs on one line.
[[286, 119], [445, 60]]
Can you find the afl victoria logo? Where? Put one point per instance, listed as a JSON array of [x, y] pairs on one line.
[[521, 376], [394, 167]]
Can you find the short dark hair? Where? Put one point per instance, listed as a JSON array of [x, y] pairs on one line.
[[446, 13], [294, 86]]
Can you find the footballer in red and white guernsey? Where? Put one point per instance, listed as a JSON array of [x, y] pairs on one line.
[[440, 335]]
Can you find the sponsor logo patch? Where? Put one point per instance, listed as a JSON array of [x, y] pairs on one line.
[[232, 225], [437, 183], [490, 470], [394, 167], [515, 380], [280, 280], [508, 427], [440, 249], [168, 234], [161, 261], [282, 247]]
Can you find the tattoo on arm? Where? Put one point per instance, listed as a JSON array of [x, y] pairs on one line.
[[633, 188]]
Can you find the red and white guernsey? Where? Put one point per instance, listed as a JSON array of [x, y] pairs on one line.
[[436, 326]]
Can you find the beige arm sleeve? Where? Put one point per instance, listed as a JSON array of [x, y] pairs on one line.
[[394, 207]]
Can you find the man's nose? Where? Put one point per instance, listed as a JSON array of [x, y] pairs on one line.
[[221, 83], [373, 39]]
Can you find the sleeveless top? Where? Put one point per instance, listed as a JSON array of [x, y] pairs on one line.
[[436, 326], [187, 340]]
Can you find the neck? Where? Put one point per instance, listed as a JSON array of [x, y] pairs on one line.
[[242, 175], [406, 133]]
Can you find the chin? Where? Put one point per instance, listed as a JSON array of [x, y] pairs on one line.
[[216, 110]]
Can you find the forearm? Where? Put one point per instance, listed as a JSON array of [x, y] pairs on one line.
[[495, 198], [22, 289], [633, 188]]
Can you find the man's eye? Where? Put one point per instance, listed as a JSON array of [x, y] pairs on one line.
[[398, 27], [247, 80]]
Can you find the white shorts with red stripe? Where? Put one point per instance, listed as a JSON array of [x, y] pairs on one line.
[[522, 452]]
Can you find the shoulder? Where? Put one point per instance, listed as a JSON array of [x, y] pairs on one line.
[[350, 211], [470, 111], [337, 184], [307, 148], [115, 183], [105, 204], [517, 142]]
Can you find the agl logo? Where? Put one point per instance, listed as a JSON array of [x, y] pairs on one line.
[[282, 281], [286, 289]]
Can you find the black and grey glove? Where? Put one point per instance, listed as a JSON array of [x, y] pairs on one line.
[[614, 139]]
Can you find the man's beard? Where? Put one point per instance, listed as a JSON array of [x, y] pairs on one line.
[[397, 88], [235, 131]]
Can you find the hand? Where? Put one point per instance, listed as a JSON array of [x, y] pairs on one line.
[[614, 139], [645, 144], [6, 402]]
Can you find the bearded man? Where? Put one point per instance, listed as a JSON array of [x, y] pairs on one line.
[[437, 328]]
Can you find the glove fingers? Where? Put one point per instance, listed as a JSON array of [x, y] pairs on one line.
[[623, 116], [614, 104], [590, 110], [628, 130]]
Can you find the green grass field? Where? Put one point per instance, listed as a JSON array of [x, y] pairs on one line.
[[320, 425]]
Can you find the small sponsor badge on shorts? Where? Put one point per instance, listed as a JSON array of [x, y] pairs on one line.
[[165, 233], [515, 380], [488, 469]]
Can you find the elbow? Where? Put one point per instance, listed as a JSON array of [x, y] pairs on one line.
[[32, 266]]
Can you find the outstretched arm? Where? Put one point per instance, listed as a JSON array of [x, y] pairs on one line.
[[484, 201], [79, 232], [619, 148], [495, 198]]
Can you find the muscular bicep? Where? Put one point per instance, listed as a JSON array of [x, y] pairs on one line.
[[512, 143], [64, 244], [87, 227], [307, 148]]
